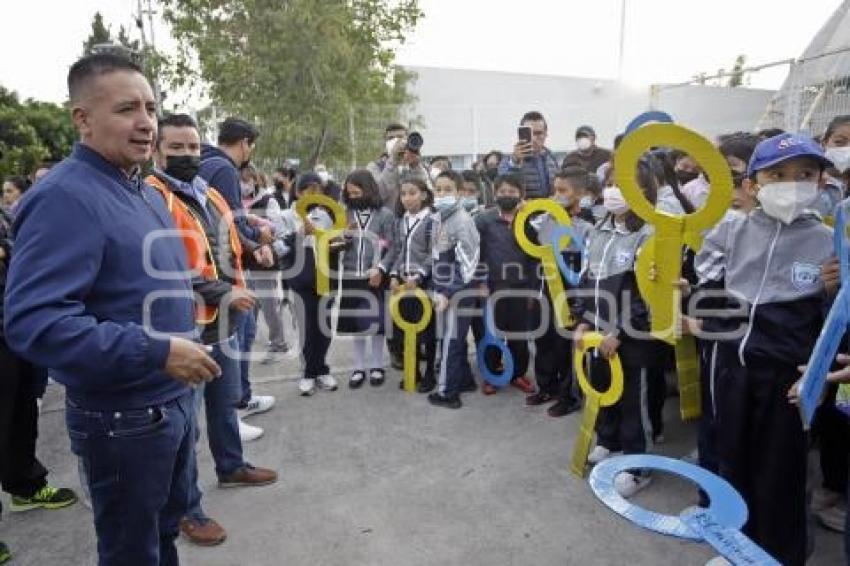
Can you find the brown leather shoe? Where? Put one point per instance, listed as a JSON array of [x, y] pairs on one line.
[[248, 475], [206, 533]]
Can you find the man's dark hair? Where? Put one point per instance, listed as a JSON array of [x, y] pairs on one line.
[[174, 121], [393, 127], [470, 176], [768, 133], [20, 182], [496, 153], [533, 116], [834, 124], [512, 179], [93, 66], [234, 130], [741, 145], [455, 177], [575, 174], [366, 181]]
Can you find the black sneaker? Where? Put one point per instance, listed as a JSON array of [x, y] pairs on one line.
[[426, 386], [5, 555], [538, 398], [397, 360], [357, 379], [376, 377], [440, 400], [564, 407]]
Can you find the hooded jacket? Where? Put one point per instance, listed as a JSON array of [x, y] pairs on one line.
[[455, 249], [411, 253], [771, 273], [90, 293], [369, 235], [221, 172], [537, 171]]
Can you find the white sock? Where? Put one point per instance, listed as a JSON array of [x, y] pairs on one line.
[[377, 351], [359, 343]]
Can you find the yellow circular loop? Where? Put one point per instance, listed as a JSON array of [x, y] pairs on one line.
[[337, 210], [643, 139], [401, 322], [558, 212], [615, 390]]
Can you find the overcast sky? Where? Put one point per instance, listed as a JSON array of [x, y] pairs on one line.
[[665, 40]]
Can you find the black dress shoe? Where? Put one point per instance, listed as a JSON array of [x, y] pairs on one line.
[[439, 400], [376, 377], [564, 407], [356, 380], [538, 399], [426, 386]]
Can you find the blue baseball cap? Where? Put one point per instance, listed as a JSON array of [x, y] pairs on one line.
[[783, 147]]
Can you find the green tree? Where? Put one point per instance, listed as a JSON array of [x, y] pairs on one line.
[[308, 72], [32, 132]]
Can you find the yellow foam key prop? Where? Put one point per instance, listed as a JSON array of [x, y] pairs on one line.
[[546, 254], [671, 230], [593, 399], [323, 237], [410, 329]]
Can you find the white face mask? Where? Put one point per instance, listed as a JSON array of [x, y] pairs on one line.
[[391, 144], [586, 202], [583, 143], [840, 157], [445, 203], [324, 176], [786, 200], [613, 201]]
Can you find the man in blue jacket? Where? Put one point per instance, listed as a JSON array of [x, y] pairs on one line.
[[220, 169], [98, 290]]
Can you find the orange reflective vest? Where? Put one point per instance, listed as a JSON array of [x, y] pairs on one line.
[[198, 249]]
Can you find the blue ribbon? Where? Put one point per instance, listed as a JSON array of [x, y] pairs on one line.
[[719, 524], [646, 117], [490, 341], [837, 322]]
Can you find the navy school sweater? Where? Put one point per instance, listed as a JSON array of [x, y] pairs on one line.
[[77, 285]]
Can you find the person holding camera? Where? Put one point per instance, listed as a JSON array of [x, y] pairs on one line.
[[404, 161], [531, 159]]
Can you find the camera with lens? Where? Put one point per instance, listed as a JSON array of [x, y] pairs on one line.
[[414, 142]]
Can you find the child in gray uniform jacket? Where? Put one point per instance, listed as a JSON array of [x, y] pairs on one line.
[[368, 237]]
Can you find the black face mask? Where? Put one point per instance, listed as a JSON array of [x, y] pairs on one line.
[[182, 167], [279, 186], [358, 203], [492, 173], [507, 204], [686, 177]]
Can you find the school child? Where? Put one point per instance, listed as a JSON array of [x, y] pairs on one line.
[[455, 253], [408, 266], [509, 274], [470, 194], [553, 358], [368, 237], [769, 262], [615, 308], [295, 245], [737, 149]]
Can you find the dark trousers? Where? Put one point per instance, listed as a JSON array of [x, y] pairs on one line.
[[511, 314], [315, 341], [455, 373], [831, 430], [553, 360], [762, 450], [137, 465], [707, 431], [656, 385], [624, 425], [246, 332], [20, 471]]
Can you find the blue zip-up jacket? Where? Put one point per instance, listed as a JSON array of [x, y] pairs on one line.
[[219, 171], [82, 296]]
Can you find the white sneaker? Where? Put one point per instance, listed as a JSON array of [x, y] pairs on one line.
[[328, 382], [258, 404], [627, 484], [718, 561], [598, 454], [307, 386], [247, 433]]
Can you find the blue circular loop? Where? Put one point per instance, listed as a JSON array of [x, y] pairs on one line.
[[558, 233], [726, 505], [647, 117], [490, 341]]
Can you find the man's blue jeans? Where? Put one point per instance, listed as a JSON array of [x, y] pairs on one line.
[[246, 331], [137, 466], [221, 399]]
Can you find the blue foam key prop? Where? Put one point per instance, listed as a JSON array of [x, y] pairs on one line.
[[647, 117], [490, 341], [559, 232], [837, 322], [719, 525]]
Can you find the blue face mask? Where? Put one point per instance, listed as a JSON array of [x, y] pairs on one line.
[[445, 203], [469, 203]]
